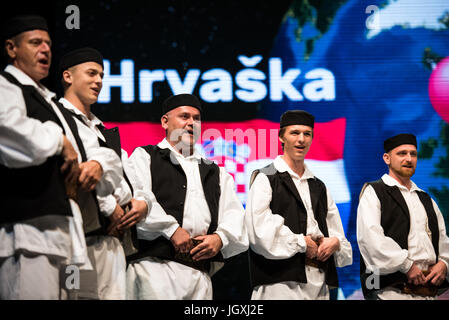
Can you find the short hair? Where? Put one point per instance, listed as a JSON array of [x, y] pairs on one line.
[[281, 134], [64, 84]]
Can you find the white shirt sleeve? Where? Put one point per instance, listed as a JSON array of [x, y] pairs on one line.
[[231, 226], [112, 169], [378, 251], [107, 204], [122, 194], [443, 249], [24, 141], [135, 178], [343, 257], [157, 221], [268, 236]]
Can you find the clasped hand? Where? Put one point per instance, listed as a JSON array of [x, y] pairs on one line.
[[322, 248], [436, 274], [209, 247]]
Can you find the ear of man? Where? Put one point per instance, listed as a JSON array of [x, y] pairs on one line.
[[164, 121], [67, 77], [9, 49], [386, 158]]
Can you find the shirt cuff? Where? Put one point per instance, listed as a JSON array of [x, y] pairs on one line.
[[60, 144], [168, 232], [107, 205], [141, 198], [447, 267], [340, 242], [406, 265], [224, 239], [147, 201], [302, 243]]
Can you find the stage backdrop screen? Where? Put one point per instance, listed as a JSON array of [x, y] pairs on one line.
[[367, 70]]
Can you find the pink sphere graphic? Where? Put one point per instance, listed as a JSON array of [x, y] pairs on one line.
[[439, 89]]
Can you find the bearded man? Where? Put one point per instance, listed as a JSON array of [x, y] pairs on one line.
[[400, 231]]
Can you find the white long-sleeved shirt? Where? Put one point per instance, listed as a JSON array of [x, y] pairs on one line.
[[382, 252], [196, 218], [28, 142], [271, 238], [108, 159], [175, 280], [24, 141]]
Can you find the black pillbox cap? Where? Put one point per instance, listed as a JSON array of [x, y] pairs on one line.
[[79, 56], [400, 139], [180, 100], [297, 117], [22, 23]]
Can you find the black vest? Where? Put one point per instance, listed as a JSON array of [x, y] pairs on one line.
[[112, 137], [287, 203], [102, 221], [395, 221], [169, 185], [37, 190]]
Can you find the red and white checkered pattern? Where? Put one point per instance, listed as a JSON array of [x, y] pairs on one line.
[[236, 168]]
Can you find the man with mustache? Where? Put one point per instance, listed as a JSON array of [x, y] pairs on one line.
[[40, 148], [82, 78], [196, 219], [400, 231], [295, 231]]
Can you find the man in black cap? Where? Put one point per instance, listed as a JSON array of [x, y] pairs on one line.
[[40, 227], [295, 232], [195, 220], [400, 231], [82, 72]]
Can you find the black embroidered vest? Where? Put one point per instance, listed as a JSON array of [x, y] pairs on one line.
[[395, 221], [287, 203], [169, 185], [34, 191]]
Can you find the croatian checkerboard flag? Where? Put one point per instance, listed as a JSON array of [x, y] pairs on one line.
[[242, 147]]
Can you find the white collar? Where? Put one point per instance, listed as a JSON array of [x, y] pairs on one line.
[[282, 166], [390, 181], [25, 79], [95, 121], [164, 144]]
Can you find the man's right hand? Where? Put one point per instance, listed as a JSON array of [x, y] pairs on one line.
[[415, 275], [70, 168], [69, 155], [181, 240], [91, 173], [138, 210], [437, 273], [312, 248]]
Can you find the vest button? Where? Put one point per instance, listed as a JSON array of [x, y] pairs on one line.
[[183, 186], [181, 203]]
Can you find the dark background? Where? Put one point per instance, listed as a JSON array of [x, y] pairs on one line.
[[172, 34], [167, 34], [381, 83]]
